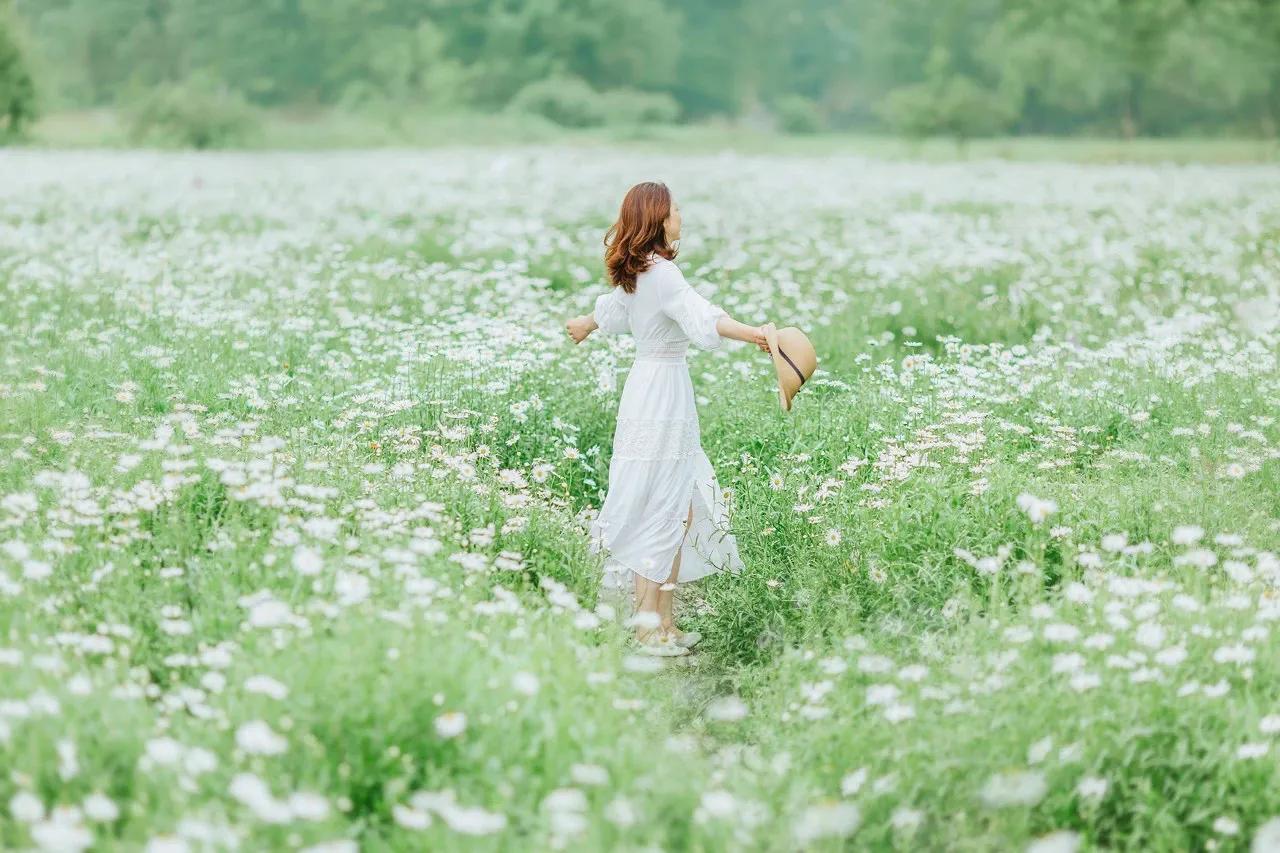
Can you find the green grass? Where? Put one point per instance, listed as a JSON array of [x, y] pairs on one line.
[[296, 466]]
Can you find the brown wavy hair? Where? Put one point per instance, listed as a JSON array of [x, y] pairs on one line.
[[638, 233]]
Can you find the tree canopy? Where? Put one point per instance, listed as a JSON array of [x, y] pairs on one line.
[[964, 67]]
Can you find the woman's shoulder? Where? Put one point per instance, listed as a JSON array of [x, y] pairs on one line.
[[616, 292], [661, 266]]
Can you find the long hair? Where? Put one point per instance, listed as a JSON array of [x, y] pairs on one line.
[[637, 234]]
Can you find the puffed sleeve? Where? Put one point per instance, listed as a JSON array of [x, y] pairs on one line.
[[611, 313], [691, 310]]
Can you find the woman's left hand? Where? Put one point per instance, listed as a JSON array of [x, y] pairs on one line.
[[761, 338]]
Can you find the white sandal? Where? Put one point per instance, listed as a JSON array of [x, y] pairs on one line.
[[688, 639], [664, 647]]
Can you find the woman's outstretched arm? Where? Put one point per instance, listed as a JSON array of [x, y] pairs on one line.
[[580, 328], [702, 320], [612, 316], [727, 327]]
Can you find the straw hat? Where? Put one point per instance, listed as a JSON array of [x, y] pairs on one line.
[[794, 359]]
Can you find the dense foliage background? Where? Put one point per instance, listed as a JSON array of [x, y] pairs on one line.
[[924, 67]]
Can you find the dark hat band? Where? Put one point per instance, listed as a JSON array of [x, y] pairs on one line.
[[788, 360]]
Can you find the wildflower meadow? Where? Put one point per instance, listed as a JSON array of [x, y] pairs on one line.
[[297, 466]]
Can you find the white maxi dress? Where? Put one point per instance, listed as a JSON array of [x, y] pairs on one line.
[[658, 469]]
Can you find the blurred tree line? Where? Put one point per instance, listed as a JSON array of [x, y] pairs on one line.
[[946, 67]]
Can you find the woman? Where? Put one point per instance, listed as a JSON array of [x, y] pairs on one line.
[[664, 520]]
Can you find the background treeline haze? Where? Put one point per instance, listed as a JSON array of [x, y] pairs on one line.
[[950, 67]]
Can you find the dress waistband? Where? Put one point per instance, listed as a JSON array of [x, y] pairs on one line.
[[661, 351]]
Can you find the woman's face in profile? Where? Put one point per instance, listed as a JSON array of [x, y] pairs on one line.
[[672, 223]]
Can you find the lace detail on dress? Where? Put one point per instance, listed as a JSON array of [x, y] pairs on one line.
[[650, 440]]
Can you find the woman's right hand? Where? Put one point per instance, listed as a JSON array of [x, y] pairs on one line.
[[580, 328]]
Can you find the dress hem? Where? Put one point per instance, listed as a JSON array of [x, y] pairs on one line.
[[616, 570]]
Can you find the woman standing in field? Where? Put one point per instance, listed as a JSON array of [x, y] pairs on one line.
[[664, 520]]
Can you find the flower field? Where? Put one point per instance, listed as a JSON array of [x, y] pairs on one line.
[[297, 464]]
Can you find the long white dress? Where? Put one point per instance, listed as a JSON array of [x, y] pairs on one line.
[[658, 468]]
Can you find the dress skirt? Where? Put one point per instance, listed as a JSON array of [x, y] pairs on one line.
[[657, 472]]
